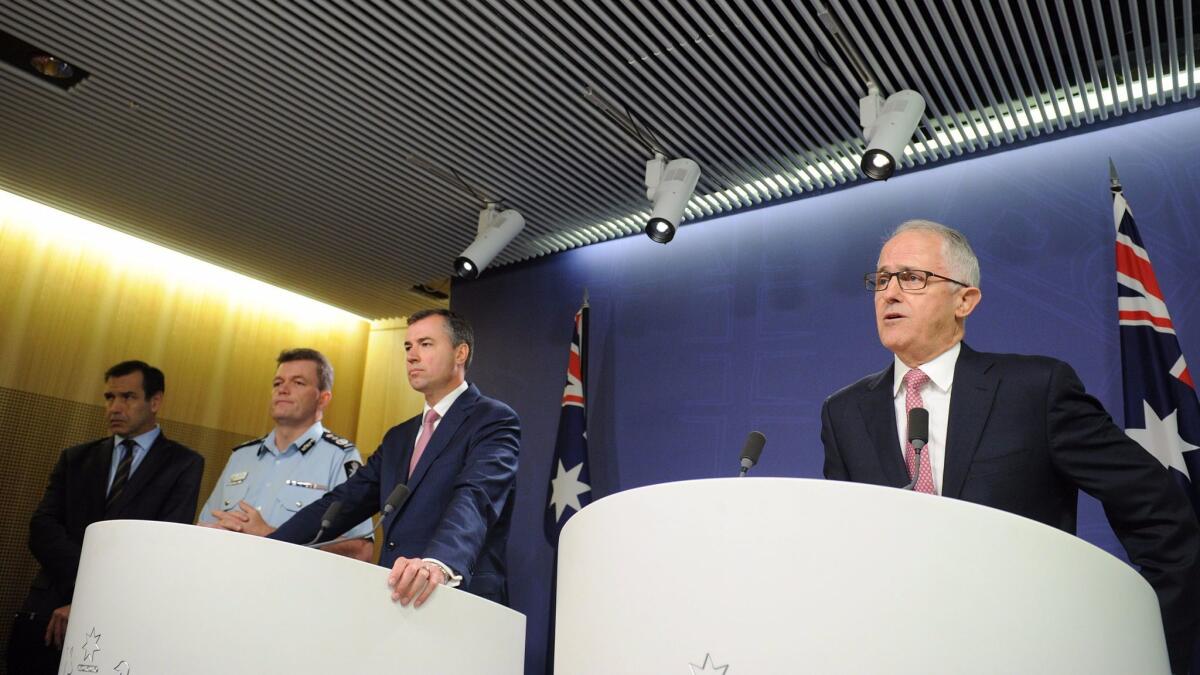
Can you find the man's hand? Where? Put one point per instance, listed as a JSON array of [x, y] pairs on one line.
[[413, 580], [246, 519], [56, 630]]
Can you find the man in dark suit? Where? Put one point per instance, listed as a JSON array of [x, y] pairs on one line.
[[458, 459], [137, 473], [1018, 433]]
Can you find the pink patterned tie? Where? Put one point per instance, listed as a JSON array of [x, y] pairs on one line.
[[913, 381], [431, 418]]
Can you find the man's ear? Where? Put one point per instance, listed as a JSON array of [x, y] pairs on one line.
[[968, 302]]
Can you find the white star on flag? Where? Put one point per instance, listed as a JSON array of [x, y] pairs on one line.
[[1161, 438], [566, 488]]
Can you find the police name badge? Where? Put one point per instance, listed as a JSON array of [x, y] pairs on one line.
[[238, 478]]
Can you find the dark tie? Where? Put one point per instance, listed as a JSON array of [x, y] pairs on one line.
[[123, 470]]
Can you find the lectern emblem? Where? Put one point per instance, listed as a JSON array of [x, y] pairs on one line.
[[90, 663], [704, 668]]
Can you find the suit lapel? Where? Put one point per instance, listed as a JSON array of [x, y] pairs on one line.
[[154, 460], [99, 463], [974, 390], [455, 416], [879, 417], [408, 439]]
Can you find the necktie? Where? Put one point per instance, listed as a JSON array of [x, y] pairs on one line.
[[123, 471], [913, 381], [431, 418]]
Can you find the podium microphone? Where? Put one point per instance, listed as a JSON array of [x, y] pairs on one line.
[[918, 436], [751, 451], [396, 499], [331, 515]]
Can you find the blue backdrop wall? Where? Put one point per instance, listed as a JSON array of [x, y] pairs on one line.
[[749, 321]]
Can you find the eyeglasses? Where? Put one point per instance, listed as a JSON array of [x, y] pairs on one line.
[[909, 280]]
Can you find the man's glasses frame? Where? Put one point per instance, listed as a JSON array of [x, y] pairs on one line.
[[909, 280]]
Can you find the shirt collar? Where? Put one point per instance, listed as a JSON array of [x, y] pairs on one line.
[[305, 441], [447, 401], [940, 370], [145, 440]]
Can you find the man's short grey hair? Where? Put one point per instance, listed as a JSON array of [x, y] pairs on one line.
[[956, 250], [324, 368]]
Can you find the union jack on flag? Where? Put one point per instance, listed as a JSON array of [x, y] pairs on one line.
[[1162, 412], [570, 482]]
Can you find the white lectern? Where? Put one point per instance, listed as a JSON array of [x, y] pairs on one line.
[[805, 576], [156, 598]]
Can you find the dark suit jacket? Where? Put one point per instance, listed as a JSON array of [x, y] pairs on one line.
[[462, 494], [164, 487], [1024, 436]]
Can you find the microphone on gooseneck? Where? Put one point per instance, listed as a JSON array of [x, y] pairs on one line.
[[751, 451], [918, 436], [327, 519]]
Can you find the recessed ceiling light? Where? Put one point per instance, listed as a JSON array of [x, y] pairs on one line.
[[47, 65]]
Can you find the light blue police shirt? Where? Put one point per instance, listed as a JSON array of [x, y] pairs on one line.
[[279, 484]]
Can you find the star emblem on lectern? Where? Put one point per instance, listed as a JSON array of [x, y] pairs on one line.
[[91, 645], [696, 670]]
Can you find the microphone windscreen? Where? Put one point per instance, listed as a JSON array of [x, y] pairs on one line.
[[331, 514], [918, 425], [397, 498], [754, 446]]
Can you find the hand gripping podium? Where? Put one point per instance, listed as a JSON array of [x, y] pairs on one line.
[[768, 575], [168, 599]]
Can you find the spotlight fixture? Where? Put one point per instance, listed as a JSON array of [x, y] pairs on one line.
[[887, 127], [496, 229], [669, 186]]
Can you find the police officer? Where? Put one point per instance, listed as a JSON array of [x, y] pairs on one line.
[[269, 479]]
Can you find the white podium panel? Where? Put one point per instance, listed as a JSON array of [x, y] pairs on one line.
[[161, 598], [806, 576]]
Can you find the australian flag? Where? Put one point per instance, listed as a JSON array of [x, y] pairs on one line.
[[570, 483], [1162, 412]]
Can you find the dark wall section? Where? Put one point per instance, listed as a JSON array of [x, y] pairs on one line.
[[750, 321]]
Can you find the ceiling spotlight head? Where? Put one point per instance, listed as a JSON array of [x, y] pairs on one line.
[[669, 186], [878, 164], [887, 127], [496, 230], [660, 231]]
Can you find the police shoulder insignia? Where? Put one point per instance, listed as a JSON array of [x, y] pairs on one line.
[[343, 443], [351, 468], [249, 443]]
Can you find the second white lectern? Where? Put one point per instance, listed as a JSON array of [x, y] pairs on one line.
[[804, 576], [186, 600]]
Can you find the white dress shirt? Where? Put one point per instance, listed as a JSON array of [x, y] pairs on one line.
[[936, 397], [441, 407]]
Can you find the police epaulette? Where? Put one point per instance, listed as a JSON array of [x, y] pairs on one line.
[[249, 443], [343, 443]]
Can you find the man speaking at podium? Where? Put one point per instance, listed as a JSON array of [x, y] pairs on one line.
[[1017, 433], [458, 461]]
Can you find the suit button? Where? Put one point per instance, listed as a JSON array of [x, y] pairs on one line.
[[391, 545]]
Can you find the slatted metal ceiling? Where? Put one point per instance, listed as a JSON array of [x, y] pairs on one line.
[[272, 138]]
